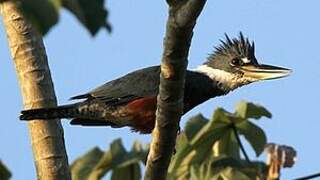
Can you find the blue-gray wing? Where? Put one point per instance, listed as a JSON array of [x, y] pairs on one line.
[[137, 84]]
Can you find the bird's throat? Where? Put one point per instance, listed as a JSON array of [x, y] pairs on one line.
[[225, 80]]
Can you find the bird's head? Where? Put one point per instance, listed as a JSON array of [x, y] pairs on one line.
[[233, 64]]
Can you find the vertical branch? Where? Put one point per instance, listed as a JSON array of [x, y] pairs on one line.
[[33, 72], [179, 30]]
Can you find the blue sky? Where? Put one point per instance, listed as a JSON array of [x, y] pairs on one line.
[[286, 33]]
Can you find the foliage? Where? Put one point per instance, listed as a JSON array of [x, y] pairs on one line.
[[206, 149], [4, 172], [211, 149], [44, 14], [124, 165]]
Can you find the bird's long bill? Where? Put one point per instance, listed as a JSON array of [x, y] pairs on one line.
[[264, 72]]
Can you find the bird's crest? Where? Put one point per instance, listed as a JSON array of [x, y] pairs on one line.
[[237, 46]]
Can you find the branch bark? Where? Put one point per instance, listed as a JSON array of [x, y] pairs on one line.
[[181, 21], [36, 85]]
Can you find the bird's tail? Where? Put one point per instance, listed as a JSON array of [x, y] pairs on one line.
[[66, 111]]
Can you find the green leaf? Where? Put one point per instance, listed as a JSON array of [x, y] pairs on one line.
[[140, 151], [109, 160], [194, 124], [250, 110], [181, 141], [251, 169], [232, 173], [82, 167], [221, 115], [224, 167], [200, 147], [198, 150], [129, 172], [91, 13], [254, 135], [201, 172], [42, 14], [254, 169], [227, 145], [138, 154], [95, 164], [225, 161], [4, 172], [118, 157]]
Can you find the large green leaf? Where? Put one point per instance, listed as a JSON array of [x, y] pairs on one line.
[[109, 160], [43, 14], [254, 169], [129, 172], [194, 124], [91, 13], [232, 173], [200, 147], [140, 151], [218, 132], [181, 141], [227, 168], [254, 135], [137, 154], [223, 161], [117, 157], [221, 115], [201, 172], [4, 172], [250, 110], [227, 145], [82, 167], [95, 164], [251, 169], [194, 152]]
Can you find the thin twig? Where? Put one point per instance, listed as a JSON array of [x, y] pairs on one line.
[[239, 142], [308, 177]]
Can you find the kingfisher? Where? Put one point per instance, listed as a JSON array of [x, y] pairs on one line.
[[131, 100]]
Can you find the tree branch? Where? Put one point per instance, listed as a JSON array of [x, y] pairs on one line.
[[179, 30], [308, 177], [33, 72]]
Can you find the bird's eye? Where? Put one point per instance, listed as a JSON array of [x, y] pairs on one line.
[[235, 62]]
